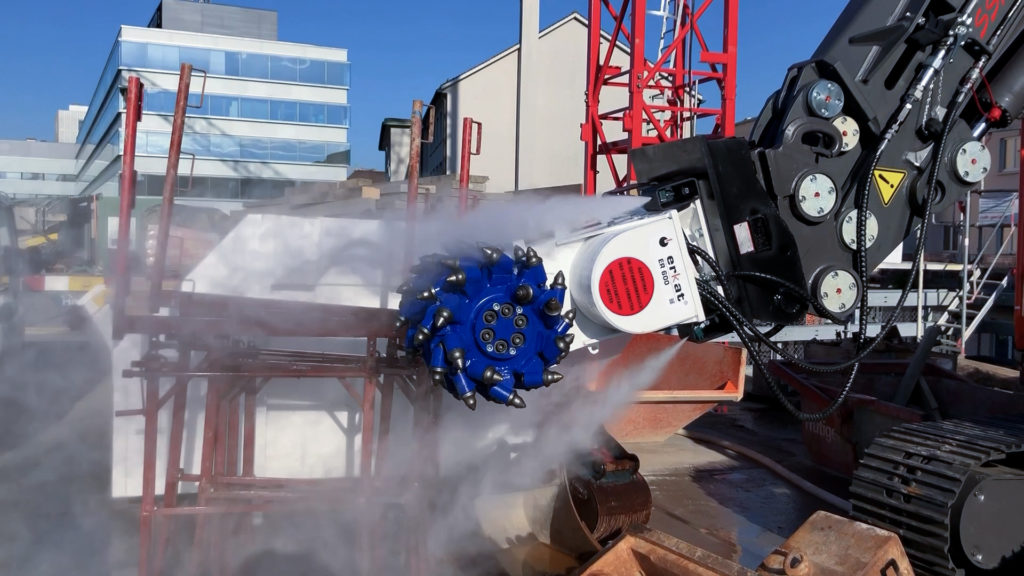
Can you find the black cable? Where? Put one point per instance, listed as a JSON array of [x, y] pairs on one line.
[[796, 290], [759, 364]]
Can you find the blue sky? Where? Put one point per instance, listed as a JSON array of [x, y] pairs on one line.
[[54, 50]]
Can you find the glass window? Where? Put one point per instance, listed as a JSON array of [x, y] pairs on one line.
[[198, 57], [312, 113], [283, 69], [337, 115], [218, 62], [158, 143], [311, 152], [226, 106], [162, 57], [232, 64], [283, 110], [338, 73], [254, 66], [282, 150], [198, 104], [198, 144], [253, 148], [223, 146], [1009, 153], [337, 153], [133, 55], [255, 108], [311, 71]]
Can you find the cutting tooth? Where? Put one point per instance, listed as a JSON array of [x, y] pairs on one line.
[[491, 376], [491, 254], [559, 281], [517, 401], [400, 322], [421, 336], [427, 295], [570, 316], [470, 400], [404, 288], [551, 377], [563, 342], [532, 259], [518, 253], [442, 317], [553, 307], [457, 357], [457, 278], [437, 376], [524, 293], [452, 263]]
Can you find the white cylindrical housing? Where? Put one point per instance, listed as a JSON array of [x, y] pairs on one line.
[[637, 279]]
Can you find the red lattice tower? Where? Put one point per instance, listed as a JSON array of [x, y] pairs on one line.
[[658, 108]]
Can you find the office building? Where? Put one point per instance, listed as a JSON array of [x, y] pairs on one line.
[[273, 114]]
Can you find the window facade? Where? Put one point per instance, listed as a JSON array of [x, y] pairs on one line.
[[1009, 153], [222, 106], [230, 147], [238, 64]]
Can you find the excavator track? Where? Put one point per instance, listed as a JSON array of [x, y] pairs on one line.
[[919, 480]]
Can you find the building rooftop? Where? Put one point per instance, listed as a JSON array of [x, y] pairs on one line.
[[220, 19]]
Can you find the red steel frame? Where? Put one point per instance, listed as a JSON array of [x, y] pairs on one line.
[[226, 479], [643, 78]]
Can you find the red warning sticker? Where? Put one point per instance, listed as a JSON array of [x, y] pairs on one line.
[[626, 286]]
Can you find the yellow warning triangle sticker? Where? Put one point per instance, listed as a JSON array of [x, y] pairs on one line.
[[888, 182]]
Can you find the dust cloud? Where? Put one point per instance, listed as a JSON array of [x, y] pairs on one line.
[[55, 427]]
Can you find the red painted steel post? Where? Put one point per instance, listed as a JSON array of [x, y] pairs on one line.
[[170, 184], [468, 151], [233, 437], [148, 505], [249, 435], [172, 480], [467, 141], [122, 282]]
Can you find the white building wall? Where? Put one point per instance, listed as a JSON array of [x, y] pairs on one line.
[[68, 122], [489, 96]]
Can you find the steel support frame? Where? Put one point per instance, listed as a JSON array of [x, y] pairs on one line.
[[677, 75], [226, 480], [197, 326]]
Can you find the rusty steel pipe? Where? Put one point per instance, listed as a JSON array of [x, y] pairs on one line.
[[464, 164], [122, 281], [170, 183]]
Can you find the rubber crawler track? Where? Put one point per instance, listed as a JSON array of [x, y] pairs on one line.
[[910, 478]]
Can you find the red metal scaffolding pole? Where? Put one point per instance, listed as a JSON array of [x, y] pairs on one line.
[[133, 111], [665, 98], [170, 187], [468, 151]]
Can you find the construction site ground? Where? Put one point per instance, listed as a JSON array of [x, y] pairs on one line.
[[55, 469]]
